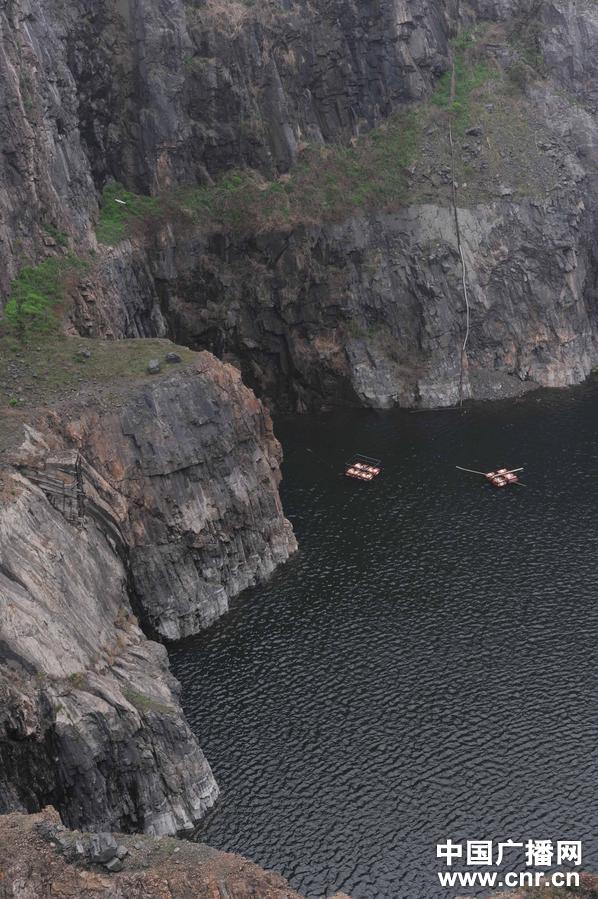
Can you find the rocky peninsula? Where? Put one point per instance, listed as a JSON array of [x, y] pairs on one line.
[[151, 499]]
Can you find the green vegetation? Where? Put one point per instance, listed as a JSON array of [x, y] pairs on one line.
[[119, 209], [33, 306], [145, 703], [471, 74], [59, 236], [332, 183], [468, 77], [525, 37], [465, 40], [503, 149], [327, 183]]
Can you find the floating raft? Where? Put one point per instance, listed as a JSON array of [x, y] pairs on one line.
[[363, 468], [502, 477]]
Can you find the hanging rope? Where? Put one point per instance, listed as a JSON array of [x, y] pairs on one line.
[[463, 353], [79, 487]]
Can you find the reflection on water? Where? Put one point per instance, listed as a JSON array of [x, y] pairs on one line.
[[424, 668]]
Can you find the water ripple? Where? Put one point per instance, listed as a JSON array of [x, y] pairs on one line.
[[425, 666]]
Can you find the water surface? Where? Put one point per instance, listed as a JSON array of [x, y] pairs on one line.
[[425, 667]]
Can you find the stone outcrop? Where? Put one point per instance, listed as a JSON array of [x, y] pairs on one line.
[[176, 90], [47, 187], [160, 500], [90, 717], [370, 309], [41, 858], [160, 495], [193, 460]]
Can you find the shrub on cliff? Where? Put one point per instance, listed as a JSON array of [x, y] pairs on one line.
[[118, 208], [33, 306]]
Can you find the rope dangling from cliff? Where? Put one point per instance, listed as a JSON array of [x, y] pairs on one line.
[[463, 353], [80, 487]]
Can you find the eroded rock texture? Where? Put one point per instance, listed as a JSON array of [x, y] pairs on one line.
[[368, 309], [163, 494], [194, 460], [90, 716], [165, 497], [160, 92], [40, 859], [371, 310]]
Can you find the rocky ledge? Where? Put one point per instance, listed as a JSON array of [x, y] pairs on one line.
[[160, 495], [39, 857]]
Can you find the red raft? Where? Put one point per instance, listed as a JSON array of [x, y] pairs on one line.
[[502, 477], [363, 468]]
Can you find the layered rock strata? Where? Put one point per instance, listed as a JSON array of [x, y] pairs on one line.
[[160, 495]]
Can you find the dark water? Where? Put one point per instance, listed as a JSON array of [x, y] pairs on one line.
[[425, 667]]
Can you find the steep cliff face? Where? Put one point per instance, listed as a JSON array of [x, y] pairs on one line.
[[161, 494], [90, 717], [190, 88], [165, 91], [45, 175], [564, 37], [195, 461], [360, 305], [371, 310], [328, 271]]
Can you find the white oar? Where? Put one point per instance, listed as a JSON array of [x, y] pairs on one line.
[[485, 473]]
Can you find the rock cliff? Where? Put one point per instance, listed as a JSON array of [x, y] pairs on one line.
[[158, 494], [357, 303], [168, 91], [195, 461], [370, 311]]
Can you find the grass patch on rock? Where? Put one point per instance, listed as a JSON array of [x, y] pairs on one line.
[[51, 370], [144, 703], [38, 295], [376, 171], [474, 70], [326, 184], [470, 76], [120, 207], [39, 364], [498, 134]]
